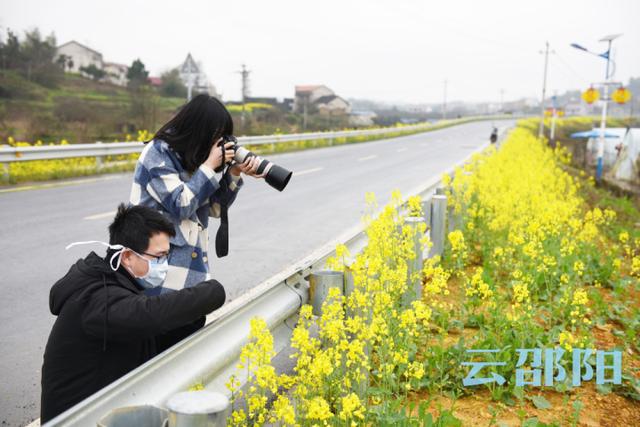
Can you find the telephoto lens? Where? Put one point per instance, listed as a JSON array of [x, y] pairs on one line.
[[276, 176]]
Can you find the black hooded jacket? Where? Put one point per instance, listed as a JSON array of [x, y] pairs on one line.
[[106, 327]]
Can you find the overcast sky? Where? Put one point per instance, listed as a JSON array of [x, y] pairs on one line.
[[385, 50]]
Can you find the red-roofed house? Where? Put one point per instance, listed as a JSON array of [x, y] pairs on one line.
[[155, 81]]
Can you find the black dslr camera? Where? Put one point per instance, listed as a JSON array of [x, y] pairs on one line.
[[276, 176]]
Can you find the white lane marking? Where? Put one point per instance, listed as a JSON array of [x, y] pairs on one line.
[[100, 216], [400, 150], [56, 184], [362, 159], [296, 173]]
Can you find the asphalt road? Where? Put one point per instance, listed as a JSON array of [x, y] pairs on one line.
[[268, 231]]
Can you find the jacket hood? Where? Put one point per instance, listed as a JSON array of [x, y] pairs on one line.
[[91, 269]]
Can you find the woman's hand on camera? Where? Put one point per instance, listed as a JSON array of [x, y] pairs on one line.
[[248, 167], [214, 161]]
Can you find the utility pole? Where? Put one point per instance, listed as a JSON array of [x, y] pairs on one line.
[[305, 105], [605, 102], [605, 99], [554, 113], [244, 73], [444, 102], [544, 90]]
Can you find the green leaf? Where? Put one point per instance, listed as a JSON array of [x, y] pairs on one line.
[[508, 400], [561, 387], [531, 422], [518, 392], [427, 421], [447, 419], [603, 388], [577, 405], [540, 402]]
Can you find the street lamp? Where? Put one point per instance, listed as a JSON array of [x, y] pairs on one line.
[[605, 99]]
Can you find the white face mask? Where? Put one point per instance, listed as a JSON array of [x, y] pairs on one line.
[[156, 273]]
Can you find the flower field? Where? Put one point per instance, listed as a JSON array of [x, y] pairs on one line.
[[42, 170], [531, 316]]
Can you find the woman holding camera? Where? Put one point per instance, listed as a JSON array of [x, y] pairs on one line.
[[175, 174]]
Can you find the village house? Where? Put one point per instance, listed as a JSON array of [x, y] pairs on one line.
[[319, 98], [78, 56]]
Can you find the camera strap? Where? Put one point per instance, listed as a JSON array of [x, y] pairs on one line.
[[222, 236]]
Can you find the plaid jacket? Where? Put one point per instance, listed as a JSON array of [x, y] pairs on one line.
[[160, 182]]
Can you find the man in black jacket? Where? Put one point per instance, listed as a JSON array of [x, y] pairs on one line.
[[106, 326]]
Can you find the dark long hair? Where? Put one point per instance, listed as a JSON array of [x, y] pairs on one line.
[[192, 132]]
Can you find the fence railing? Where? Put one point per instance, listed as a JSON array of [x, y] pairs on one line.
[[9, 154], [210, 356]]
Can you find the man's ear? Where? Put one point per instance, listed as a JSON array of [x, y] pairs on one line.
[[126, 255]]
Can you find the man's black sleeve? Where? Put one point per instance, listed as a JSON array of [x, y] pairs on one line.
[[123, 316]]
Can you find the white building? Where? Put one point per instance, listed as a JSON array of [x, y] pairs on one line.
[[332, 104], [321, 98], [611, 153], [627, 166], [362, 118], [116, 73], [79, 56]]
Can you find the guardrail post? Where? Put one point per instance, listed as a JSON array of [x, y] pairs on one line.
[[142, 416], [426, 211], [414, 284], [99, 159], [319, 284], [349, 284], [201, 408], [438, 223]]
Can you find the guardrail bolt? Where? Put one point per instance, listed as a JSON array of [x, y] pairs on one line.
[[201, 408], [438, 223], [319, 284]]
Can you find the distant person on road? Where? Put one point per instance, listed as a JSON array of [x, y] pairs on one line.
[[494, 135], [106, 326], [176, 175]]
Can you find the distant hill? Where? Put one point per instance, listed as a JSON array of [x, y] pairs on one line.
[[77, 109]]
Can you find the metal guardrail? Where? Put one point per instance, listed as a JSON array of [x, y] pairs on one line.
[[99, 149], [210, 355]]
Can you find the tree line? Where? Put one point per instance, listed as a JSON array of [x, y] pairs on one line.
[[35, 58]]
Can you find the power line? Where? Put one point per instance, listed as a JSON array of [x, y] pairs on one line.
[[569, 67]]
